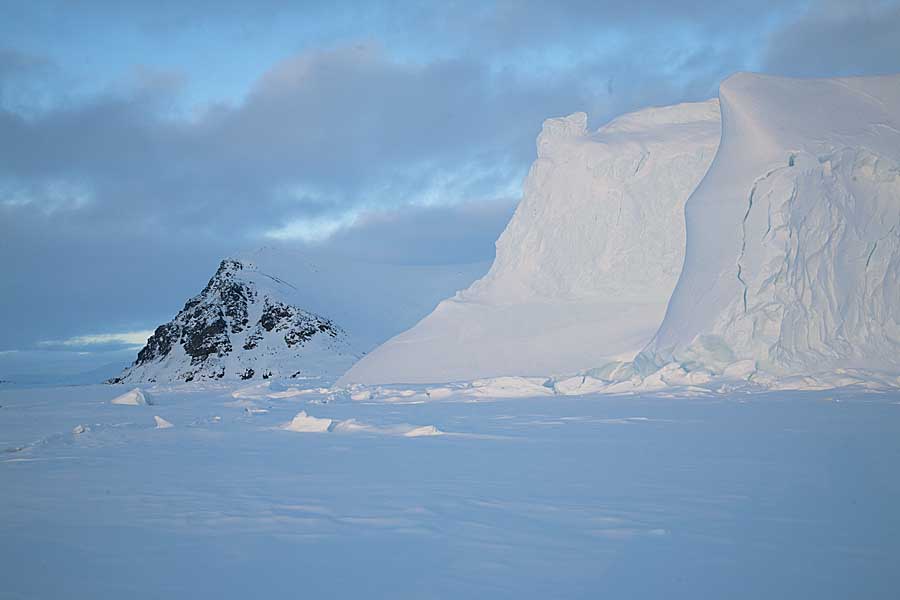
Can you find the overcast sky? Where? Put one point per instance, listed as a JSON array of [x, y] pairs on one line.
[[140, 142]]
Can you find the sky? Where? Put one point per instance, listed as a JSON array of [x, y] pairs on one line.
[[140, 143]]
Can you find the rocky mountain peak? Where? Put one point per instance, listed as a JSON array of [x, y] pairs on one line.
[[241, 325]]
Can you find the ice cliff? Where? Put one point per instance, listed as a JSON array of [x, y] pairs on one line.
[[792, 264], [585, 267], [786, 251]]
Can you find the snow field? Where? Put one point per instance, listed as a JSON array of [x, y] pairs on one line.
[[776, 495]]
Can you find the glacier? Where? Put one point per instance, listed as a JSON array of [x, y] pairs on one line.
[[792, 266], [586, 265], [752, 239], [775, 272], [659, 252]]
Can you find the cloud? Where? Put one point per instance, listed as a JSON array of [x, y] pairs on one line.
[[837, 38], [423, 235], [15, 62], [351, 126], [396, 132], [109, 340], [317, 229], [65, 275], [23, 80]]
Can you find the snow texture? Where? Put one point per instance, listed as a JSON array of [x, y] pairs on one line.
[[584, 268], [135, 397], [793, 237], [778, 495], [304, 423], [791, 271]]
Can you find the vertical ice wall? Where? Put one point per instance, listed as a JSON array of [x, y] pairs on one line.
[[586, 265], [793, 237]]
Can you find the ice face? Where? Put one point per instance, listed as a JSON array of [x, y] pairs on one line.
[[584, 268], [793, 236]]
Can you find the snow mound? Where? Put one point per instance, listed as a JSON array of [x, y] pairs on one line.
[[352, 426], [162, 423], [586, 265], [135, 397], [274, 390], [423, 431], [493, 388], [508, 387], [670, 381], [792, 265], [304, 423], [404, 430]]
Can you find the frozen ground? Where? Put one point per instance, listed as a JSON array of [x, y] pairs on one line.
[[779, 495]]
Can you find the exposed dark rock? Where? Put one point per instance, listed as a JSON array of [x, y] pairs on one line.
[[191, 303], [160, 343], [275, 315], [300, 334], [217, 320], [202, 338], [252, 341]]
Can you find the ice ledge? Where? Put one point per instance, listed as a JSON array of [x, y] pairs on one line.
[[561, 129]]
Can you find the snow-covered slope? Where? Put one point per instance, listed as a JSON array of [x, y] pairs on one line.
[[242, 326], [277, 312], [372, 301], [793, 237], [586, 265]]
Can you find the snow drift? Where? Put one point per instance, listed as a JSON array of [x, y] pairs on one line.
[[586, 265], [793, 237], [135, 397], [304, 423]]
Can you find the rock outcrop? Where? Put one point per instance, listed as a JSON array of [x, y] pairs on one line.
[[241, 326]]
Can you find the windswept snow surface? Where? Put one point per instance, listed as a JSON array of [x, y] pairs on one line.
[[793, 237], [586, 265], [772, 495]]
